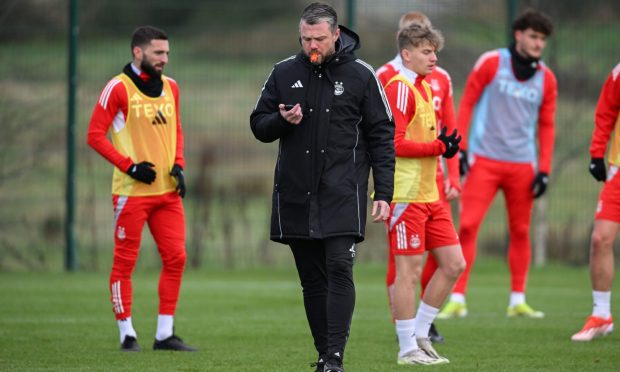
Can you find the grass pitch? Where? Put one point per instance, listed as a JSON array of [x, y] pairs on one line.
[[253, 320]]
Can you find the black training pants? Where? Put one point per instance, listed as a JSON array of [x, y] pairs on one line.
[[325, 270]]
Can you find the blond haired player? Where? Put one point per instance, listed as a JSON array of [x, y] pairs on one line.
[[418, 220], [449, 189]]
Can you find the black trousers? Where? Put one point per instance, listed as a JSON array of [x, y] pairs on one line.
[[325, 270]]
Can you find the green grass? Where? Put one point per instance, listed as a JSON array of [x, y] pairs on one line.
[[253, 320]]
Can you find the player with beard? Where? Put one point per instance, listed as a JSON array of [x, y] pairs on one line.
[[140, 110], [508, 104], [328, 112]]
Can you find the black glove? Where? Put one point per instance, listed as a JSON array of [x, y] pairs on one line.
[[597, 169], [539, 186], [451, 142], [142, 172], [463, 163], [177, 172]]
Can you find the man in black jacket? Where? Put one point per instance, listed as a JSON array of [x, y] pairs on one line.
[[330, 114]]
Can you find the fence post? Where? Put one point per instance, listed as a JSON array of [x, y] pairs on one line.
[[74, 30], [541, 230], [511, 14], [351, 5]]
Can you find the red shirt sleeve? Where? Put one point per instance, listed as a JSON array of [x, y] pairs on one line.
[[385, 73], [483, 72], [449, 122], [112, 105], [606, 114], [546, 122], [402, 104], [179, 157]]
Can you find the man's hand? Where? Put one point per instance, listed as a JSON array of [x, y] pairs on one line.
[[451, 142], [463, 163], [177, 172], [451, 191], [142, 172], [380, 210], [598, 170], [293, 115], [539, 186]]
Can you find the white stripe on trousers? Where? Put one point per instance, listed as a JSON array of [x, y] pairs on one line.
[[116, 297]]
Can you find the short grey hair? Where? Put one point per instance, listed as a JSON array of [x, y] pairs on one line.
[[319, 12]]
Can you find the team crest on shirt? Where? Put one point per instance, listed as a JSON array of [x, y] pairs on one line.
[[436, 103], [434, 85], [338, 88], [120, 233], [415, 241]]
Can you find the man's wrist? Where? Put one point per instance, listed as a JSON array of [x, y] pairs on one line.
[[382, 198]]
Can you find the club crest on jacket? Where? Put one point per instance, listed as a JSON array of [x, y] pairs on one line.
[[338, 88]]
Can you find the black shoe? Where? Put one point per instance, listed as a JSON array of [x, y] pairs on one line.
[[333, 367], [334, 363], [172, 343], [434, 335], [319, 364], [130, 344]]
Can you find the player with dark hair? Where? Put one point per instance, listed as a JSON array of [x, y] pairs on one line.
[[139, 108], [328, 112], [509, 101]]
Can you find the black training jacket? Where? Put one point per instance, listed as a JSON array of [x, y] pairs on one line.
[[321, 176]]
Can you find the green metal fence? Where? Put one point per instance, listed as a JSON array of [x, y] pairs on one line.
[[221, 53]]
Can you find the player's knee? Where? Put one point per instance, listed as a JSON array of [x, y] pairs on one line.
[[408, 278], [459, 266], [455, 268], [175, 261], [339, 267], [601, 241], [468, 230], [123, 265], [313, 288], [520, 233]]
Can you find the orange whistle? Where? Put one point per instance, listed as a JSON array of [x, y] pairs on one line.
[[314, 57]]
